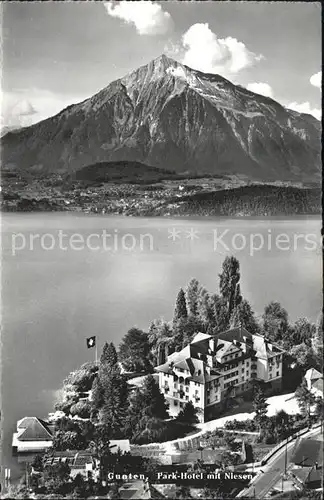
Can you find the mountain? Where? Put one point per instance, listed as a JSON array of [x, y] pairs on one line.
[[170, 116]]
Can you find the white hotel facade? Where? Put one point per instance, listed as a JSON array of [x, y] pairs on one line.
[[213, 368]]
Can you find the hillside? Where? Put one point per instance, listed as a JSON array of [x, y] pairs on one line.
[[123, 171], [255, 200], [169, 116]]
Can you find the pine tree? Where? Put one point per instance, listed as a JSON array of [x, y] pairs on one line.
[[109, 354], [192, 293], [260, 406], [180, 310], [115, 399], [229, 283]]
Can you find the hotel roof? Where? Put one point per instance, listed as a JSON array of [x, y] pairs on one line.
[[239, 334]]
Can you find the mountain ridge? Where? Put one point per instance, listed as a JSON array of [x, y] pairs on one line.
[[170, 116]]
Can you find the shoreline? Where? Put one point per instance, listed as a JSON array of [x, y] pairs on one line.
[[82, 213]]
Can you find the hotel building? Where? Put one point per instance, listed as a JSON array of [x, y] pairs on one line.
[[212, 369]]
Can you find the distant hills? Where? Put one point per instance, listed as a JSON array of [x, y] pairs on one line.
[[123, 171], [171, 117]]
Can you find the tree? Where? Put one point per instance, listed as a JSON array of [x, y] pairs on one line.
[[303, 355], [192, 293], [79, 486], [188, 414], [319, 410], [71, 434], [134, 351], [305, 399], [180, 310], [115, 400], [100, 446], [82, 409], [37, 463], [184, 331], [97, 399], [275, 322], [154, 403], [109, 355], [317, 341], [260, 406], [182, 492], [57, 478], [302, 332], [205, 311], [147, 410], [282, 425], [159, 337], [220, 313], [229, 283], [243, 316]]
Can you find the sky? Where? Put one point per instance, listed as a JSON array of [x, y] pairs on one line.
[[58, 53]]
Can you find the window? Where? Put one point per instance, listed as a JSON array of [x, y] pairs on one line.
[[187, 389], [247, 363], [181, 405], [175, 403], [175, 395], [277, 374], [208, 401], [247, 374], [174, 386], [270, 376], [236, 355], [187, 398]]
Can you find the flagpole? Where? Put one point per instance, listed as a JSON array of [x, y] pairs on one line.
[[96, 354]]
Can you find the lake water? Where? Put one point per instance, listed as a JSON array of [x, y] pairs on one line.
[[59, 288]]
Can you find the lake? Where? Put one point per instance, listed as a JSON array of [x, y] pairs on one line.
[[67, 276]]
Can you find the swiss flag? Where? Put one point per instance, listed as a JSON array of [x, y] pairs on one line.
[[91, 342]]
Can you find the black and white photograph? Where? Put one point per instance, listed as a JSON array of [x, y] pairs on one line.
[[161, 295]]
